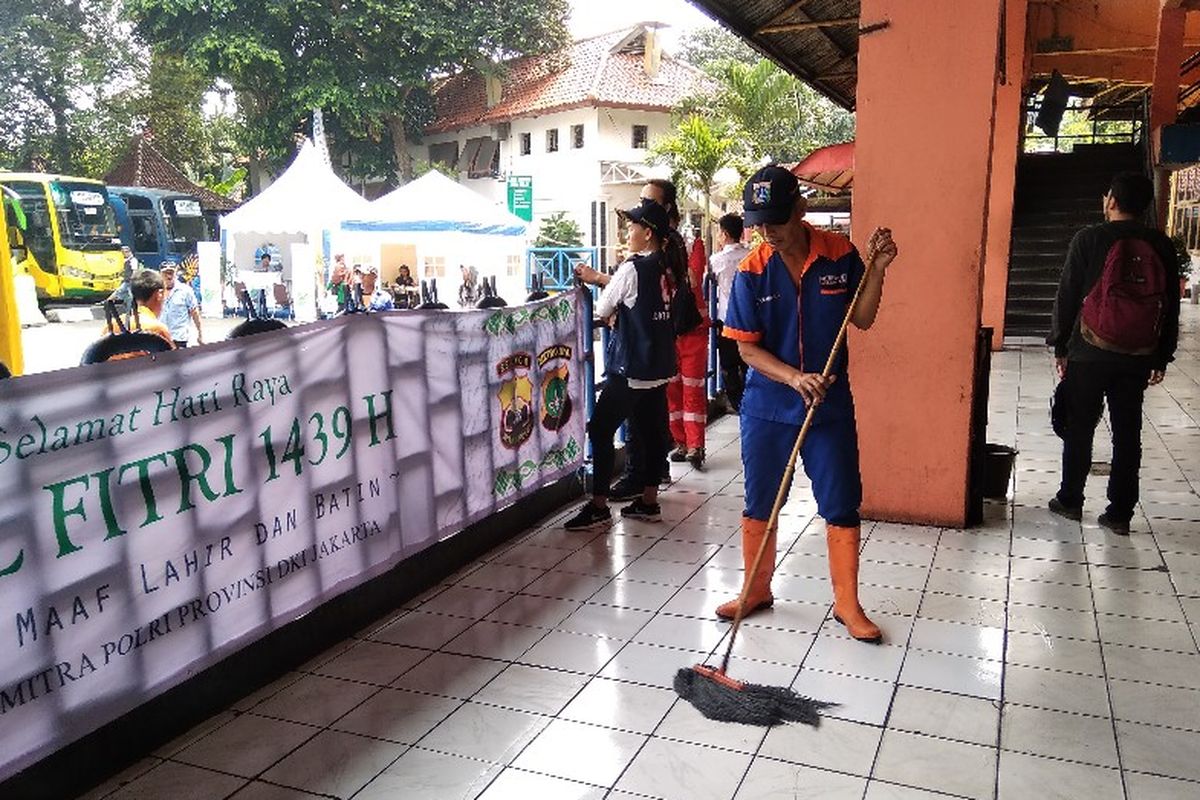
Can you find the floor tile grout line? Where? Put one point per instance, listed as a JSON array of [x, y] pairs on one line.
[[1001, 702], [593, 676], [896, 683]]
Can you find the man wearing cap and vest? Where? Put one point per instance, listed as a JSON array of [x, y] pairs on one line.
[[788, 301]]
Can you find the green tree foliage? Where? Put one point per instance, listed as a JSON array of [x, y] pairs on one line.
[[169, 106], [775, 115], [63, 63], [421, 167], [558, 230], [366, 63], [695, 151]]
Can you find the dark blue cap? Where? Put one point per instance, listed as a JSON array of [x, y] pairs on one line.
[[770, 195], [650, 214]]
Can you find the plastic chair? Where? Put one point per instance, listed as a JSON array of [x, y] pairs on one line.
[[125, 343], [256, 319], [537, 285], [429, 297], [490, 297], [283, 300]]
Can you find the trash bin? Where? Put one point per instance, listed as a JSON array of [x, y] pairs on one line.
[[979, 418], [997, 469]]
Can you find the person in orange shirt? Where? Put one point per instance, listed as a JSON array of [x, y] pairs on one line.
[[149, 292]]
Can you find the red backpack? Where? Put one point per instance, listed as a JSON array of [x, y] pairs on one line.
[[1123, 312]]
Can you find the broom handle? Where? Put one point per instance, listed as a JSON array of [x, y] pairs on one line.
[[789, 471]]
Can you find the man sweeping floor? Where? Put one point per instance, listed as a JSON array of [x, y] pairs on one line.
[[788, 302]]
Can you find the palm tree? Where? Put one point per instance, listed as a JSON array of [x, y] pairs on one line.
[[694, 151]]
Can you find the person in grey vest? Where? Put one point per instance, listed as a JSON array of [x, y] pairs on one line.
[[640, 360]]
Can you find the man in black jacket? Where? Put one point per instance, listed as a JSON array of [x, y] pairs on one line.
[[1094, 371]]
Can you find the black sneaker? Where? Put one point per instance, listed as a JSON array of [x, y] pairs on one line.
[[590, 516], [624, 490], [1057, 507], [679, 454], [1117, 527], [651, 512], [695, 457]]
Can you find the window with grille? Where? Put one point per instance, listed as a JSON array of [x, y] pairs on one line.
[[435, 266], [513, 265], [577, 137], [641, 137], [552, 140], [445, 153]]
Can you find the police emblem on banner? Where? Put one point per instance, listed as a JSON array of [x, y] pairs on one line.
[[554, 364], [516, 399]]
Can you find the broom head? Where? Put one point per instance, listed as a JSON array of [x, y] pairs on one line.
[[719, 697]]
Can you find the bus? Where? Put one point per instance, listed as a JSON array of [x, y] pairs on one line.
[[11, 362], [161, 227], [70, 243]]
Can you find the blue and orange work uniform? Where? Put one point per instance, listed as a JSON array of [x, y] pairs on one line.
[[798, 325]]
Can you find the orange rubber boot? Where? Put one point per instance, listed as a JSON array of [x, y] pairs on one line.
[[843, 569], [759, 595]]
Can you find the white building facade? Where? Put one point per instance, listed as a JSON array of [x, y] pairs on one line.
[[580, 132]]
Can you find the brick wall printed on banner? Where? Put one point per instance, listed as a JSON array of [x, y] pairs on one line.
[[159, 514]]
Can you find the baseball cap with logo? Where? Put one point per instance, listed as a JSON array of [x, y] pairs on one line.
[[769, 196], [650, 214]]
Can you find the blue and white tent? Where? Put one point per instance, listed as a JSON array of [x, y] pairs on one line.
[[435, 225], [434, 203]]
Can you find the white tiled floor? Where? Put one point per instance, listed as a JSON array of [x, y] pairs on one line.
[[1029, 657]]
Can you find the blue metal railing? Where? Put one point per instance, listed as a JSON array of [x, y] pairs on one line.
[[715, 382], [556, 265]]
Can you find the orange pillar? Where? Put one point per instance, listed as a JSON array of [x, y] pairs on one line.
[[1005, 152], [923, 152], [1164, 93]]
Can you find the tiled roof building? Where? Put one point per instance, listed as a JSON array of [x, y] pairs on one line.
[[606, 70], [143, 165], [574, 126]]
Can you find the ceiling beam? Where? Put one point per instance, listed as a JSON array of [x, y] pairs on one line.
[[782, 15], [789, 27]]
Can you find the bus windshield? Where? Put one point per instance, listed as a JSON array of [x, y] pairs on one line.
[[185, 223], [85, 217]]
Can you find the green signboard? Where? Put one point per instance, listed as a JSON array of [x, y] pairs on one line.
[[520, 196]]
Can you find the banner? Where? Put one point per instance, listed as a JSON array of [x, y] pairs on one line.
[[161, 513]]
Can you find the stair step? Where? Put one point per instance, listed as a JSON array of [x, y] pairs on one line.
[[1056, 195]]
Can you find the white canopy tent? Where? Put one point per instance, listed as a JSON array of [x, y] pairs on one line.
[[303, 203], [434, 225]]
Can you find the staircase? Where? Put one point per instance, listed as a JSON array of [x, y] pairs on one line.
[[1056, 195]]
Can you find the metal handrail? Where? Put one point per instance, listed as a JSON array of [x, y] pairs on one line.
[[556, 265], [1136, 132]]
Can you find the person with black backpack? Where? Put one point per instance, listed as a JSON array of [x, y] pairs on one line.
[[1114, 330], [639, 361]]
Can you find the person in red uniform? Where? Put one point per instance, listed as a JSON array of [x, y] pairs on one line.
[[788, 301], [687, 395]]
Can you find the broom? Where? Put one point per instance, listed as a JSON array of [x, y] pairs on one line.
[[710, 689]]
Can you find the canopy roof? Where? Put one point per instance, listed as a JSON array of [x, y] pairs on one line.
[[830, 169], [435, 203], [306, 198], [815, 40]]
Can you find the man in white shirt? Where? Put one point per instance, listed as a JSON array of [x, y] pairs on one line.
[[179, 308], [724, 264]]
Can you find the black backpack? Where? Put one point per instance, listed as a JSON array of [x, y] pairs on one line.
[[685, 314]]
